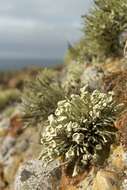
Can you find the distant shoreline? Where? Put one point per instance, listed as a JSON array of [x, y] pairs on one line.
[[20, 64]]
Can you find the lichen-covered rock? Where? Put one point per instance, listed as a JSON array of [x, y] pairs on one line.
[[106, 180], [2, 183], [32, 175], [121, 124], [117, 82], [14, 150], [4, 125], [80, 182], [11, 168], [124, 185], [6, 148], [87, 183], [124, 158], [93, 76], [117, 159]]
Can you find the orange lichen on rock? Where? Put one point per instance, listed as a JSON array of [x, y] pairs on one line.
[[114, 65], [117, 82], [106, 180], [71, 183], [117, 158], [121, 124], [15, 125], [122, 121]]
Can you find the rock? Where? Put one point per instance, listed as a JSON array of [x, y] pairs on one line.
[[6, 147], [16, 125], [4, 126], [27, 144], [93, 76], [5, 123], [117, 82], [117, 159], [22, 146], [125, 159], [11, 168], [2, 183], [32, 175], [3, 132], [14, 150], [83, 181], [124, 185], [106, 180], [112, 65], [87, 183]]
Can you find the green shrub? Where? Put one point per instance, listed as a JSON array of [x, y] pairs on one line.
[[8, 97], [81, 130], [104, 32], [79, 52], [103, 27], [41, 96]]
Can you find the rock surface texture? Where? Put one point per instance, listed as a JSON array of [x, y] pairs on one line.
[[93, 76], [32, 175], [106, 180]]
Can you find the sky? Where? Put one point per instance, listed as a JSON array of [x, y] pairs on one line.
[[39, 28]]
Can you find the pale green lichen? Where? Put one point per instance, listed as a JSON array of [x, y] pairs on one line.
[[81, 130]]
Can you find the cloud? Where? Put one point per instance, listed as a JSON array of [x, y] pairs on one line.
[[39, 27]]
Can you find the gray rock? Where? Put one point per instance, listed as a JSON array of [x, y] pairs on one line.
[[10, 168], [32, 175], [7, 147], [93, 77], [22, 146], [4, 123]]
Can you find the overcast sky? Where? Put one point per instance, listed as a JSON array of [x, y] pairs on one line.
[[39, 28]]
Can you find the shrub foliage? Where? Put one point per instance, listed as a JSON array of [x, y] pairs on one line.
[[81, 130], [41, 96], [104, 28]]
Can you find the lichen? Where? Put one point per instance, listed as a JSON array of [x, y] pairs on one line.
[[81, 130]]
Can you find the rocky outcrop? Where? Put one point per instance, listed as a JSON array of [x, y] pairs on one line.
[[33, 175]]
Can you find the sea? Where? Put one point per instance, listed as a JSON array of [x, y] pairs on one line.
[[18, 64]]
